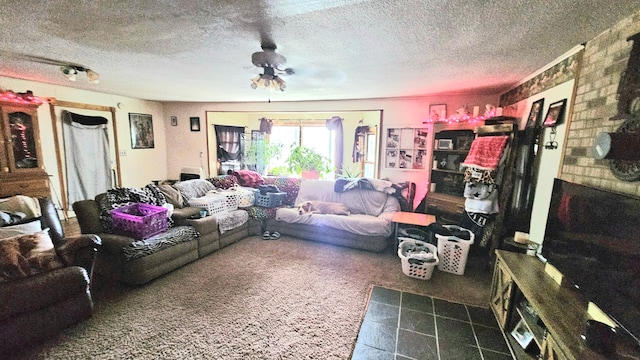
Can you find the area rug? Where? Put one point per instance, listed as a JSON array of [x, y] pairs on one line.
[[255, 299]]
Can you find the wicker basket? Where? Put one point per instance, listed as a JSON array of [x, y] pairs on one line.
[[231, 199], [246, 196], [139, 221], [454, 251], [215, 204], [270, 200], [415, 268]]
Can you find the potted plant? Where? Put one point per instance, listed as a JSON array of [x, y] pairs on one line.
[[307, 162]]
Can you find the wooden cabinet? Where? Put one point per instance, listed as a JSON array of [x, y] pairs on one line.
[[21, 164], [550, 350], [528, 304], [501, 294]]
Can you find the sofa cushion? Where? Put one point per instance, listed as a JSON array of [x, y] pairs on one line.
[[26, 255], [355, 223]]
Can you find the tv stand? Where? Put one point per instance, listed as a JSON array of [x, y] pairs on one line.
[[547, 318]]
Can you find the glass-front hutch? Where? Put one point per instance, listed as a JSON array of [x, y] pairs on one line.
[[21, 164]]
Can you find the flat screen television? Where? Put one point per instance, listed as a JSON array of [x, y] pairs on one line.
[[592, 237]]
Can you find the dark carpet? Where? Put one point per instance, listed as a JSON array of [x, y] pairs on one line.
[[256, 299]]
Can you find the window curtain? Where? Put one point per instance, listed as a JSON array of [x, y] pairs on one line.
[[87, 156], [266, 125], [335, 124], [229, 145]]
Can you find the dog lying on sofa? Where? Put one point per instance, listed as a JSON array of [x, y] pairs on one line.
[[322, 207]]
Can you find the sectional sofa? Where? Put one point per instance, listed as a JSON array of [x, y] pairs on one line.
[[191, 237]]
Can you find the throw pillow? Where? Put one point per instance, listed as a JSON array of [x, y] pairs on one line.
[[21, 229], [26, 255], [172, 195], [248, 178]]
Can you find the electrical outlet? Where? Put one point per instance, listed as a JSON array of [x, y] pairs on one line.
[[123, 152]]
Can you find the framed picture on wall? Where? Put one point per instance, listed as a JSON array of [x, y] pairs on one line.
[[437, 112], [195, 123], [555, 114], [535, 114], [141, 130]]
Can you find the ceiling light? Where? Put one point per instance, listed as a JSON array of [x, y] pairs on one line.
[[269, 80], [71, 72], [92, 76]]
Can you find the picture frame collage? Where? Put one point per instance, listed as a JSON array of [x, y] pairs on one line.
[[406, 148]]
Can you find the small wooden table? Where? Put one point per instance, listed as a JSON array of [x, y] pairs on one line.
[[410, 218]]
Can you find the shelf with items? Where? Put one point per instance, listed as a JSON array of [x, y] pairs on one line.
[[406, 148], [449, 151]]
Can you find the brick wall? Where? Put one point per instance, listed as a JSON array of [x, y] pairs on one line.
[[605, 58]]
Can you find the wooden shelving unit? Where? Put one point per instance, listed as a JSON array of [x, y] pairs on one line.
[[560, 313]]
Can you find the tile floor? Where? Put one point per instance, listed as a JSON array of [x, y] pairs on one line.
[[403, 326]]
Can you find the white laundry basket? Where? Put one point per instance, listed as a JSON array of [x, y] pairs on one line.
[[416, 268], [454, 251]]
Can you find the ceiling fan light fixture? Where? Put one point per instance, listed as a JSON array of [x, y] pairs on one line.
[[92, 76], [268, 81]]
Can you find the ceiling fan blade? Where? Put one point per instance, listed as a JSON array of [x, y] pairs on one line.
[[40, 59]]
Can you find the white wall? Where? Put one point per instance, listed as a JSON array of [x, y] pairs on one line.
[[139, 166], [184, 145], [550, 160], [178, 146]]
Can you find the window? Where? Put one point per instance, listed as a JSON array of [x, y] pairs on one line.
[[312, 135], [229, 146]]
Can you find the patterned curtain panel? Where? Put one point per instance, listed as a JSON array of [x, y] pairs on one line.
[[229, 144]]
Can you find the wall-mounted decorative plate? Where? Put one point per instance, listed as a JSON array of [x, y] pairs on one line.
[[627, 170]]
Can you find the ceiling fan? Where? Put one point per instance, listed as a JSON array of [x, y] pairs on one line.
[[69, 69], [272, 64]]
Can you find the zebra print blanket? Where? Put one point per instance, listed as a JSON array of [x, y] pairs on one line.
[[171, 237]]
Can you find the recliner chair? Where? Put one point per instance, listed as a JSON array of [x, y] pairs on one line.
[[35, 307]]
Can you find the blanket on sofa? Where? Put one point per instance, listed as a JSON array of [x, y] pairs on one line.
[[371, 210], [118, 197], [171, 237], [360, 224], [342, 185], [231, 220]]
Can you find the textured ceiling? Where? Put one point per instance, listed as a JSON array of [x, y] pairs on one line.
[[340, 49]]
